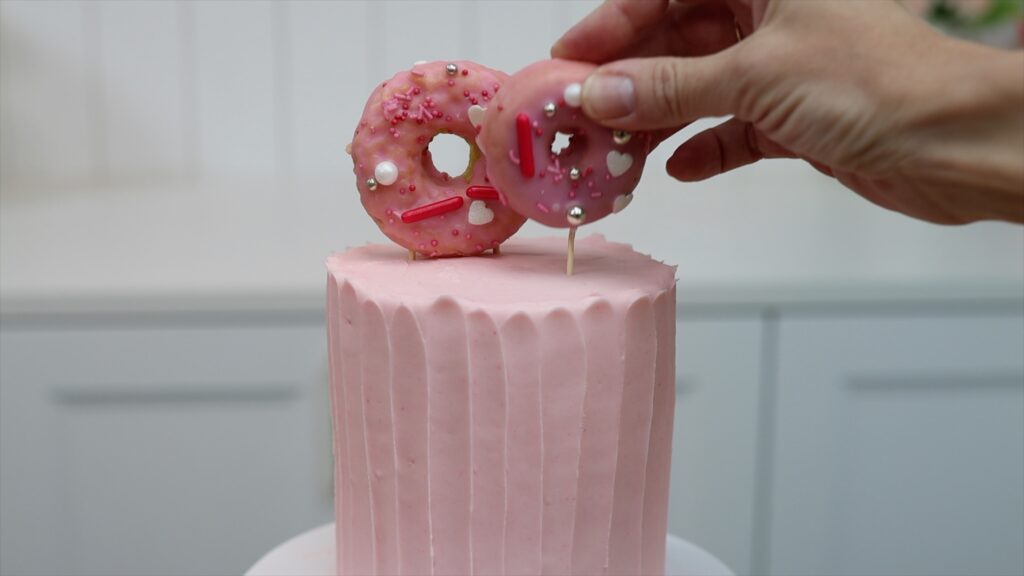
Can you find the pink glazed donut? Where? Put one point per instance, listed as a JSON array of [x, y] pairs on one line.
[[590, 178], [427, 211]]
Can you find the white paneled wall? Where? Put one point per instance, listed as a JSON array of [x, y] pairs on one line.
[[130, 92], [199, 146]]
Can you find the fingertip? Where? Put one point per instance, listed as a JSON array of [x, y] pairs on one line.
[[694, 160]]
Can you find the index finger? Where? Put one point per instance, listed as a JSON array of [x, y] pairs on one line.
[[609, 30]]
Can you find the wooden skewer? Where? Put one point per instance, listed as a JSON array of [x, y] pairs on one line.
[[570, 260], [412, 255], [496, 250]]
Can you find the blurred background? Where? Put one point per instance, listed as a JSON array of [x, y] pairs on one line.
[[851, 382]]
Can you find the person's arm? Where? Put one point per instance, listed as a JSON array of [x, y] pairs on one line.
[[910, 119]]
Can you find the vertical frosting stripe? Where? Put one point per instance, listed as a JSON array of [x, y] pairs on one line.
[[525, 455], [361, 551], [563, 383], [448, 435], [409, 404], [342, 485], [487, 410], [376, 370], [659, 451], [602, 334], [635, 425]]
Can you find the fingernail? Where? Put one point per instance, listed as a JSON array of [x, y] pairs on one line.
[[608, 96]]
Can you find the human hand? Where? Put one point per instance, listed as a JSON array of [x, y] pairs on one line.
[[910, 119]]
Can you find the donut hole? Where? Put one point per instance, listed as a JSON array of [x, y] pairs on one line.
[[447, 154], [565, 144]]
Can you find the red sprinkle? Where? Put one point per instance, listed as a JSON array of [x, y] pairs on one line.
[[525, 141], [412, 187], [465, 72], [432, 209], [482, 192]]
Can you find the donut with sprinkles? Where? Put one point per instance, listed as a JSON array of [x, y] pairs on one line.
[[591, 177], [430, 212]]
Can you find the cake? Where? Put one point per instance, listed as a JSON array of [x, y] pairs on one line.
[[494, 416]]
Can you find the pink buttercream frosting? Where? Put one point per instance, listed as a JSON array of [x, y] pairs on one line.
[[493, 416]]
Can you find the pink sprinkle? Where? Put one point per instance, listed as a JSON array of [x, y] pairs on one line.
[[512, 156], [596, 194], [455, 232], [500, 107], [542, 208], [469, 236], [451, 82], [433, 242], [448, 118], [496, 86], [484, 93], [416, 72], [495, 243], [479, 247], [415, 90], [607, 176], [401, 191], [465, 93], [572, 194], [473, 100]]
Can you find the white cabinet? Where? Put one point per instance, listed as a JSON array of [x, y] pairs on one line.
[[899, 445], [181, 445], [718, 371], [826, 440]]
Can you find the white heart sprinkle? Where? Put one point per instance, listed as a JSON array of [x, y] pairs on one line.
[[386, 173], [476, 114], [621, 202], [419, 62], [573, 95], [618, 162], [479, 213]]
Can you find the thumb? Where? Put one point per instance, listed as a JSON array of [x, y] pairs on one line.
[[664, 92]]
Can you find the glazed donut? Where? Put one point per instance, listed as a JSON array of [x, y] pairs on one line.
[[592, 177], [429, 212]]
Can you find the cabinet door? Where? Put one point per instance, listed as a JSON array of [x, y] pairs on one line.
[[712, 493], [160, 449], [899, 445]]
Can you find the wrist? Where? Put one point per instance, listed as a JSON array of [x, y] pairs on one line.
[[969, 134]]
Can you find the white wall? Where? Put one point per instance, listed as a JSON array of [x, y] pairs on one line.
[[167, 147]]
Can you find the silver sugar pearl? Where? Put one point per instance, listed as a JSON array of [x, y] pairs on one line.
[[549, 109], [452, 69], [621, 136], [574, 173], [576, 216], [371, 183]]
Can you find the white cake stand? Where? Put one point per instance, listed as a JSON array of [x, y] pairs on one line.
[[312, 554]]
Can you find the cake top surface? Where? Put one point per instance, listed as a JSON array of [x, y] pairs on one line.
[[529, 270]]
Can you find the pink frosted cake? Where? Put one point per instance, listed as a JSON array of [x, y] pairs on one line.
[[493, 416]]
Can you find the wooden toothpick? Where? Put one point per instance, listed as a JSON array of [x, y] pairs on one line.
[[570, 259]]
